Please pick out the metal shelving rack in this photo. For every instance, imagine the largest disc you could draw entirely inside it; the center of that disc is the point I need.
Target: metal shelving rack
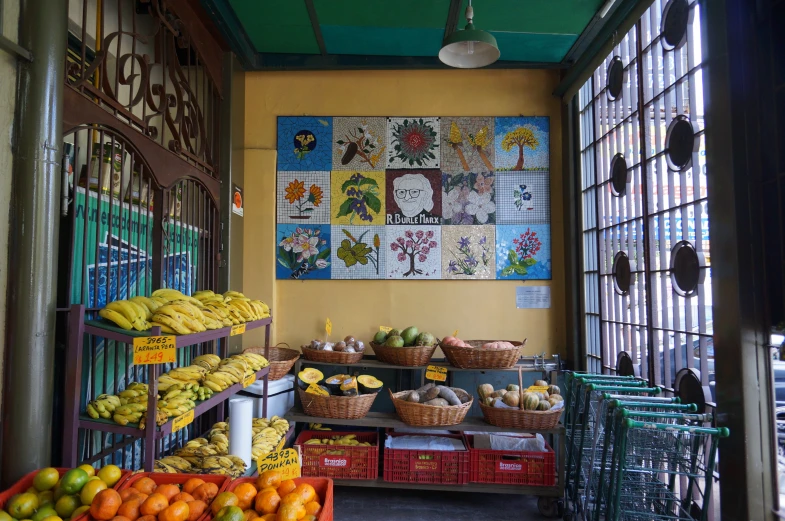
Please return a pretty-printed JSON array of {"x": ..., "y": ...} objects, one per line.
[{"x": 75, "y": 418}]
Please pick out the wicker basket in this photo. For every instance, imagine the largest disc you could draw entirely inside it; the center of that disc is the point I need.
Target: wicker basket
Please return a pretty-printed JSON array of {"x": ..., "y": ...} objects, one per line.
[
  {"x": 281, "y": 360},
  {"x": 421, "y": 415},
  {"x": 476, "y": 358},
  {"x": 332, "y": 357},
  {"x": 407, "y": 356},
  {"x": 337, "y": 407},
  {"x": 520, "y": 419}
]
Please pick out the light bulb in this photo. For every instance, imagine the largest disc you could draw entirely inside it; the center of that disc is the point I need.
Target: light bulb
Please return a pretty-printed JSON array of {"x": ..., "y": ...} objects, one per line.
[{"x": 470, "y": 49}]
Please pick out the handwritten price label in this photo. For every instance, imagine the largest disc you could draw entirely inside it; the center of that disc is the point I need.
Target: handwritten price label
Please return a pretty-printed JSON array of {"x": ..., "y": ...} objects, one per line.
[
  {"x": 239, "y": 329},
  {"x": 328, "y": 327},
  {"x": 537, "y": 388},
  {"x": 248, "y": 380},
  {"x": 154, "y": 350},
  {"x": 182, "y": 421},
  {"x": 286, "y": 462},
  {"x": 437, "y": 373},
  {"x": 455, "y": 333},
  {"x": 385, "y": 329}
]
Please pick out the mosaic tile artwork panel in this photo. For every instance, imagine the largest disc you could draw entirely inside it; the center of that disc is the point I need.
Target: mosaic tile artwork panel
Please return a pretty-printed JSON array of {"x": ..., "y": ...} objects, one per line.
[
  {"x": 303, "y": 252},
  {"x": 413, "y": 143},
  {"x": 524, "y": 197},
  {"x": 358, "y": 252},
  {"x": 359, "y": 143},
  {"x": 358, "y": 198},
  {"x": 414, "y": 252},
  {"x": 414, "y": 197},
  {"x": 522, "y": 143},
  {"x": 303, "y": 197},
  {"x": 305, "y": 143},
  {"x": 468, "y": 198},
  {"x": 523, "y": 252},
  {"x": 467, "y": 144},
  {"x": 468, "y": 252}
]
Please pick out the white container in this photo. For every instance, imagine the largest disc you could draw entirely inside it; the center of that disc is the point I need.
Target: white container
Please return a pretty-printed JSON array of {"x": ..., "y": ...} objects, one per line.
[{"x": 280, "y": 396}]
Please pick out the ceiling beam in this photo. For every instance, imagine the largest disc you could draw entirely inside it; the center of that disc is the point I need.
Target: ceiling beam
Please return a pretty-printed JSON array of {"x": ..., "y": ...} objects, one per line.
[
  {"x": 452, "y": 18},
  {"x": 317, "y": 30},
  {"x": 232, "y": 30}
]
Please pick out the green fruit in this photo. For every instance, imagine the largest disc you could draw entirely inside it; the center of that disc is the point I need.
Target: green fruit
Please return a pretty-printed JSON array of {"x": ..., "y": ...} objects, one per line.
[
  {"x": 46, "y": 479},
  {"x": 409, "y": 336},
  {"x": 394, "y": 332},
  {"x": 79, "y": 511},
  {"x": 45, "y": 498},
  {"x": 23, "y": 505},
  {"x": 4, "y": 516},
  {"x": 58, "y": 490},
  {"x": 44, "y": 512},
  {"x": 66, "y": 505},
  {"x": 425, "y": 339},
  {"x": 380, "y": 337},
  {"x": 73, "y": 481},
  {"x": 394, "y": 341},
  {"x": 230, "y": 513}
]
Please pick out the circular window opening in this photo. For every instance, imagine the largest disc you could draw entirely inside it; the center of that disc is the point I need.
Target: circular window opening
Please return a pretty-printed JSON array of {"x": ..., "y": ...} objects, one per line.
[
  {"x": 686, "y": 271},
  {"x": 615, "y": 80},
  {"x": 675, "y": 19},
  {"x": 622, "y": 273},
  {"x": 680, "y": 143},
  {"x": 619, "y": 175}
]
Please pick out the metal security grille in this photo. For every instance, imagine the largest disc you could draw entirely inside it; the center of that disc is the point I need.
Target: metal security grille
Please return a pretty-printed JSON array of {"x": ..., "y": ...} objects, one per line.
[{"x": 646, "y": 263}]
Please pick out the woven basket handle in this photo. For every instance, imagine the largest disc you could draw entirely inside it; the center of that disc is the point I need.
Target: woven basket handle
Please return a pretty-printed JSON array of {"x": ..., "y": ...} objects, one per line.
[{"x": 279, "y": 344}]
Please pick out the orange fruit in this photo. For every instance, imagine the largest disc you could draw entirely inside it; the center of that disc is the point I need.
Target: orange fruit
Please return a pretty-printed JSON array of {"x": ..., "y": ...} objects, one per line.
[
  {"x": 167, "y": 490},
  {"x": 308, "y": 517},
  {"x": 292, "y": 499},
  {"x": 190, "y": 485},
  {"x": 196, "y": 508},
  {"x": 128, "y": 493},
  {"x": 145, "y": 485},
  {"x": 288, "y": 513},
  {"x": 286, "y": 486},
  {"x": 130, "y": 509},
  {"x": 205, "y": 492},
  {"x": 177, "y": 511},
  {"x": 306, "y": 492},
  {"x": 181, "y": 496},
  {"x": 224, "y": 499},
  {"x": 313, "y": 508},
  {"x": 154, "y": 504},
  {"x": 105, "y": 504},
  {"x": 267, "y": 502},
  {"x": 268, "y": 517},
  {"x": 250, "y": 514},
  {"x": 246, "y": 493},
  {"x": 147, "y": 518},
  {"x": 120, "y": 518},
  {"x": 268, "y": 478}
]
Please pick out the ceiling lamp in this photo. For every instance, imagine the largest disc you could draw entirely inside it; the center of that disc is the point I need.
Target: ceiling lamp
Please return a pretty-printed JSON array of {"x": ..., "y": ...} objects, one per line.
[{"x": 470, "y": 48}]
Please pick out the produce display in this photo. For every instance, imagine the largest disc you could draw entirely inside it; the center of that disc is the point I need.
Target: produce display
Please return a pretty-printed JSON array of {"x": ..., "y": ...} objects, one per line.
[
  {"x": 179, "y": 314},
  {"x": 313, "y": 381},
  {"x": 56, "y": 498},
  {"x": 345, "y": 440},
  {"x": 269, "y": 499},
  {"x": 437, "y": 395},
  {"x": 457, "y": 342},
  {"x": 528, "y": 400},
  {"x": 348, "y": 345},
  {"x": 409, "y": 337}
]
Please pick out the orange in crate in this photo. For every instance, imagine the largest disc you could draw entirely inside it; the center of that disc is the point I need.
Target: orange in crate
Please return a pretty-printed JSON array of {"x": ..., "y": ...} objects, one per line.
[{"x": 295, "y": 507}]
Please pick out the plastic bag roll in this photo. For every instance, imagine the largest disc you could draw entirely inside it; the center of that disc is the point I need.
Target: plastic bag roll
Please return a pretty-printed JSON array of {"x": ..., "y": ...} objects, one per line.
[{"x": 241, "y": 429}]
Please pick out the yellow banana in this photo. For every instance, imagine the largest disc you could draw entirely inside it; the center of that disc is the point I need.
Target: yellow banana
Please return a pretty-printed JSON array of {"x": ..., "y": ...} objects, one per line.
[
  {"x": 116, "y": 317},
  {"x": 172, "y": 323},
  {"x": 164, "y": 328},
  {"x": 91, "y": 412}
]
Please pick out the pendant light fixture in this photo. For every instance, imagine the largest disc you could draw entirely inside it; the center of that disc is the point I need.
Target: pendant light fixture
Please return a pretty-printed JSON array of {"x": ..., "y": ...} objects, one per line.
[{"x": 470, "y": 48}]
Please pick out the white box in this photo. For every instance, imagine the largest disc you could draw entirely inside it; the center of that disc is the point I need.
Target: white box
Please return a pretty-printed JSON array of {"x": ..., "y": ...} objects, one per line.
[{"x": 280, "y": 396}]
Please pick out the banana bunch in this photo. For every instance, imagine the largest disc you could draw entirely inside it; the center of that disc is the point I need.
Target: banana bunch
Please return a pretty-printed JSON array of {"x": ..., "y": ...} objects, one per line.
[
  {"x": 318, "y": 427},
  {"x": 208, "y": 361},
  {"x": 230, "y": 372},
  {"x": 103, "y": 406},
  {"x": 182, "y": 318},
  {"x": 192, "y": 374},
  {"x": 197, "y": 448},
  {"x": 267, "y": 435},
  {"x": 173, "y": 465},
  {"x": 127, "y": 314},
  {"x": 165, "y": 295},
  {"x": 179, "y": 399},
  {"x": 161, "y": 417},
  {"x": 233, "y": 306},
  {"x": 223, "y": 465},
  {"x": 346, "y": 439},
  {"x": 255, "y": 362},
  {"x": 126, "y": 407}
]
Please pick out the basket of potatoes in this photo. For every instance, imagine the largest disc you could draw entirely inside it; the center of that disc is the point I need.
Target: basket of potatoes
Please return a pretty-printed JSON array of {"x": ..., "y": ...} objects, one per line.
[
  {"x": 517, "y": 408},
  {"x": 432, "y": 405}
]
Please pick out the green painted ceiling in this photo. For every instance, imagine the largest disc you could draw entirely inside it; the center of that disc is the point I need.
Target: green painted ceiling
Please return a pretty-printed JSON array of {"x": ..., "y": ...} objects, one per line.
[{"x": 536, "y": 31}]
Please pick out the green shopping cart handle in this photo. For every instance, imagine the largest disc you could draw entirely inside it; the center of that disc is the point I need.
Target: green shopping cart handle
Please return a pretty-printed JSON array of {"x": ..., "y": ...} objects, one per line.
[
  {"x": 674, "y": 415},
  {"x": 721, "y": 432},
  {"x": 651, "y": 399},
  {"x": 690, "y": 407},
  {"x": 627, "y": 389}
]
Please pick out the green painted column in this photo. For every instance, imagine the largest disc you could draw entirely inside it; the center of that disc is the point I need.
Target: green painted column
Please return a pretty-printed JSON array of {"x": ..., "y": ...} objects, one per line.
[{"x": 35, "y": 218}]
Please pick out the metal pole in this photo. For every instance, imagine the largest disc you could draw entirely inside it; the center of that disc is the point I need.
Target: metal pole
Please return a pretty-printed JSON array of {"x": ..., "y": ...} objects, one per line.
[{"x": 27, "y": 418}]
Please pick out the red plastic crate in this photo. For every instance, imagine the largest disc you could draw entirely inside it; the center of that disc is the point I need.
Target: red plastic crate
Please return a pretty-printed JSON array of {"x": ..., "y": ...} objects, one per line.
[
  {"x": 323, "y": 487},
  {"x": 353, "y": 462},
  {"x": 446, "y": 467},
  {"x": 511, "y": 467},
  {"x": 27, "y": 482}
]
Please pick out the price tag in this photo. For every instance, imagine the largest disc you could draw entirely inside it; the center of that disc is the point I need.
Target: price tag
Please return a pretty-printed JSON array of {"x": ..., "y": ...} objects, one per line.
[
  {"x": 154, "y": 349},
  {"x": 184, "y": 420},
  {"x": 385, "y": 329},
  {"x": 239, "y": 329},
  {"x": 328, "y": 327},
  {"x": 437, "y": 373},
  {"x": 455, "y": 333},
  {"x": 248, "y": 380},
  {"x": 286, "y": 462},
  {"x": 537, "y": 388}
]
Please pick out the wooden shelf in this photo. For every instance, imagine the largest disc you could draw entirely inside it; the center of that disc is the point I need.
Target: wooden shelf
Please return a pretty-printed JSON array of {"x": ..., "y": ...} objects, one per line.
[
  {"x": 471, "y": 487},
  {"x": 526, "y": 364},
  {"x": 391, "y": 420}
]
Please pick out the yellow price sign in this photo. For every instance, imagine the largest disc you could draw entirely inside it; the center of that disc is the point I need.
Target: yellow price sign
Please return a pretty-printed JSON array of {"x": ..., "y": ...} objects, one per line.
[
  {"x": 455, "y": 333},
  {"x": 239, "y": 329},
  {"x": 328, "y": 327},
  {"x": 437, "y": 373},
  {"x": 159, "y": 349},
  {"x": 182, "y": 421},
  {"x": 385, "y": 329},
  {"x": 537, "y": 388},
  {"x": 286, "y": 462},
  {"x": 248, "y": 380}
]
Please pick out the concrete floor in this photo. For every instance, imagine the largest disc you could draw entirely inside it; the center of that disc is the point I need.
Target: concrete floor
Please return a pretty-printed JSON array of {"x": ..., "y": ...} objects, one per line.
[{"x": 362, "y": 504}]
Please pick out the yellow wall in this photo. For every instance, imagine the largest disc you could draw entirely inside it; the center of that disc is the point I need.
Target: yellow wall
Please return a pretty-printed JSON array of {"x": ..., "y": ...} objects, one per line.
[{"x": 479, "y": 309}]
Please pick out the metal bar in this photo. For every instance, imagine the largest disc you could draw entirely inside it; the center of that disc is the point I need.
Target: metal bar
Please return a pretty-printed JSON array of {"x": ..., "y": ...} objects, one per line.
[
  {"x": 73, "y": 382},
  {"x": 26, "y": 440},
  {"x": 11, "y": 47},
  {"x": 317, "y": 31}
]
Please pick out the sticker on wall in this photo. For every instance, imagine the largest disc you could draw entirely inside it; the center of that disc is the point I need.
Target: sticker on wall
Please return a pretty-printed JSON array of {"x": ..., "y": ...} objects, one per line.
[
  {"x": 303, "y": 251},
  {"x": 523, "y": 252},
  {"x": 414, "y": 197},
  {"x": 467, "y": 144},
  {"x": 357, "y": 198},
  {"x": 522, "y": 143},
  {"x": 523, "y": 197},
  {"x": 303, "y": 197},
  {"x": 414, "y": 252},
  {"x": 358, "y": 252},
  {"x": 468, "y": 198},
  {"x": 359, "y": 143},
  {"x": 237, "y": 200},
  {"x": 468, "y": 252},
  {"x": 413, "y": 143},
  {"x": 305, "y": 143}
]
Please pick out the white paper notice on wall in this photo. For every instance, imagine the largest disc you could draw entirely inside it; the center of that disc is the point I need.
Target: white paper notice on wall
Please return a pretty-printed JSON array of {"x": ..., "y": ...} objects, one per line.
[{"x": 533, "y": 297}]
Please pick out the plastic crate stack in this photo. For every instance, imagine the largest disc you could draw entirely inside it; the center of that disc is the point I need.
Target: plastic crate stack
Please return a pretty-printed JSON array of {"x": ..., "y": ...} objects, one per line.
[{"x": 633, "y": 455}]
